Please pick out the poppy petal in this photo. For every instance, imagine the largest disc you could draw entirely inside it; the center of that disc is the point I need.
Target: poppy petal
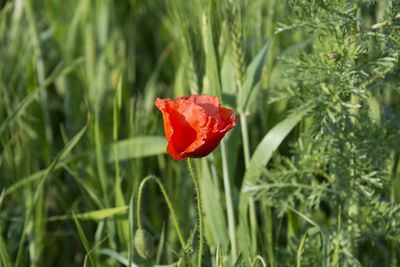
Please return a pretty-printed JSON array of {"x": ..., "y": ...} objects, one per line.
[{"x": 194, "y": 125}]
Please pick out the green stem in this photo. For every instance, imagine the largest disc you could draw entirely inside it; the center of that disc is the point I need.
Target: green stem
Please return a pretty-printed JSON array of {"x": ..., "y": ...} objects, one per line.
[
  {"x": 199, "y": 210},
  {"x": 245, "y": 139},
  {"x": 393, "y": 197},
  {"x": 253, "y": 223},
  {"x": 167, "y": 200},
  {"x": 260, "y": 259},
  {"x": 269, "y": 236}
]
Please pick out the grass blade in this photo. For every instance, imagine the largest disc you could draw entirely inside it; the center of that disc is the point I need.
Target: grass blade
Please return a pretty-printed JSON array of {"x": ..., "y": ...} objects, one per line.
[
  {"x": 92, "y": 215},
  {"x": 133, "y": 148},
  {"x": 136, "y": 147},
  {"x": 19, "y": 109},
  {"x": 85, "y": 241},
  {"x": 269, "y": 144},
  {"x": 61, "y": 155},
  {"x": 253, "y": 76},
  {"x": 4, "y": 256}
]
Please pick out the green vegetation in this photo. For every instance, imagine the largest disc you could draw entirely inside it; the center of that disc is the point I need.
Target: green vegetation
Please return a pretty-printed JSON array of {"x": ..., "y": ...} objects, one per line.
[{"x": 309, "y": 177}]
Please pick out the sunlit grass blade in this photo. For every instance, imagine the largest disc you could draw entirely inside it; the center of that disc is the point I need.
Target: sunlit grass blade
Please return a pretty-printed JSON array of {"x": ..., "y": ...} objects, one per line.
[
  {"x": 212, "y": 68},
  {"x": 269, "y": 144},
  {"x": 136, "y": 147},
  {"x": 253, "y": 76},
  {"x": 92, "y": 215}
]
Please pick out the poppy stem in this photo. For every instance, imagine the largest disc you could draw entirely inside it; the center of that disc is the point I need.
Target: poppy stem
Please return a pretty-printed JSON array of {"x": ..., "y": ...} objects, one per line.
[
  {"x": 199, "y": 211},
  {"x": 167, "y": 200}
]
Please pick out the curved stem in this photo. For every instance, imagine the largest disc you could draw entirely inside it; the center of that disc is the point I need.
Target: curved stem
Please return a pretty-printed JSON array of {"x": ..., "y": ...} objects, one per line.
[
  {"x": 258, "y": 258},
  {"x": 199, "y": 210},
  {"x": 167, "y": 200}
]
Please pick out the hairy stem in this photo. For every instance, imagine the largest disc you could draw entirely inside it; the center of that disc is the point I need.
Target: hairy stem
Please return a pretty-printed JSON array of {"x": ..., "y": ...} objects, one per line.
[
  {"x": 167, "y": 200},
  {"x": 199, "y": 211}
]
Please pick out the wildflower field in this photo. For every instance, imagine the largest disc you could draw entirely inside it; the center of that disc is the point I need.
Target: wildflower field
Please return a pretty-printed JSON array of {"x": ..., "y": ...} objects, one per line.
[{"x": 199, "y": 133}]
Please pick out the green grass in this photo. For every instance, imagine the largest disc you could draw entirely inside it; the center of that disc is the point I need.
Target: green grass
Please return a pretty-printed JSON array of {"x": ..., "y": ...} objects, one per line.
[{"x": 309, "y": 177}]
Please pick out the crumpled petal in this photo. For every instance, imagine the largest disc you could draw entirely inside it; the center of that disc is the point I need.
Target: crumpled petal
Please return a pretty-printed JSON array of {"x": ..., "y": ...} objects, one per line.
[{"x": 194, "y": 125}]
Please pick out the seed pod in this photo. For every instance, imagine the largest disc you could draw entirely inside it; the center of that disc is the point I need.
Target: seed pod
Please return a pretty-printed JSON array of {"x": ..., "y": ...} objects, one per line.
[{"x": 143, "y": 243}]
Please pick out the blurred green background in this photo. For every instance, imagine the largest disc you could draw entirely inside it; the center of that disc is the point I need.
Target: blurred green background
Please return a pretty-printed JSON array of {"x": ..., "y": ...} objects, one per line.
[{"x": 315, "y": 84}]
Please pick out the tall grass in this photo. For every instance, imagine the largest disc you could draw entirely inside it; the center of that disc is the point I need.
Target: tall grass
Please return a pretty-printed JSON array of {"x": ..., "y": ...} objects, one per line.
[{"x": 309, "y": 177}]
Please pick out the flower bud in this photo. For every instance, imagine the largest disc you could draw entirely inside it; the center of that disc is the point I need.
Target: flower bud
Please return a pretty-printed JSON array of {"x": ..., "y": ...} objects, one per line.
[{"x": 143, "y": 243}]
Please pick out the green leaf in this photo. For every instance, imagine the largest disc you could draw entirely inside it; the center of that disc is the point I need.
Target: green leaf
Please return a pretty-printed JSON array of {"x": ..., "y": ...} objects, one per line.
[
  {"x": 92, "y": 215},
  {"x": 228, "y": 77},
  {"x": 269, "y": 144},
  {"x": 253, "y": 77},
  {"x": 212, "y": 68},
  {"x": 136, "y": 147}
]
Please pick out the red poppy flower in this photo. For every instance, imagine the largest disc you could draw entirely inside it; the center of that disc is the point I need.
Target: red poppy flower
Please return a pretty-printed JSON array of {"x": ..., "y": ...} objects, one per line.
[{"x": 194, "y": 125}]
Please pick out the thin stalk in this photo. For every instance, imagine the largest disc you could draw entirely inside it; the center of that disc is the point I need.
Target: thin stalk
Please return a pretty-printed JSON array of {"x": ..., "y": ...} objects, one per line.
[
  {"x": 245, "y": 139},
  {"x": 253, "y": 223},
  {"x": 269, "y": 236},
  {"x": 167, "y": 200},
  {"x": 131, "y": 226},
  {"x": 246, "y": 152},
  {"x": 395, "y": 171},
  {"x": 336, "y": 251},
  {"x": 100, "y": 159},
  {"x": 260, "y": 259},
  {"x": 199, "y": 211},
  {"x": 41, "y": 76},
  {"x": 228, "y": 199}
]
